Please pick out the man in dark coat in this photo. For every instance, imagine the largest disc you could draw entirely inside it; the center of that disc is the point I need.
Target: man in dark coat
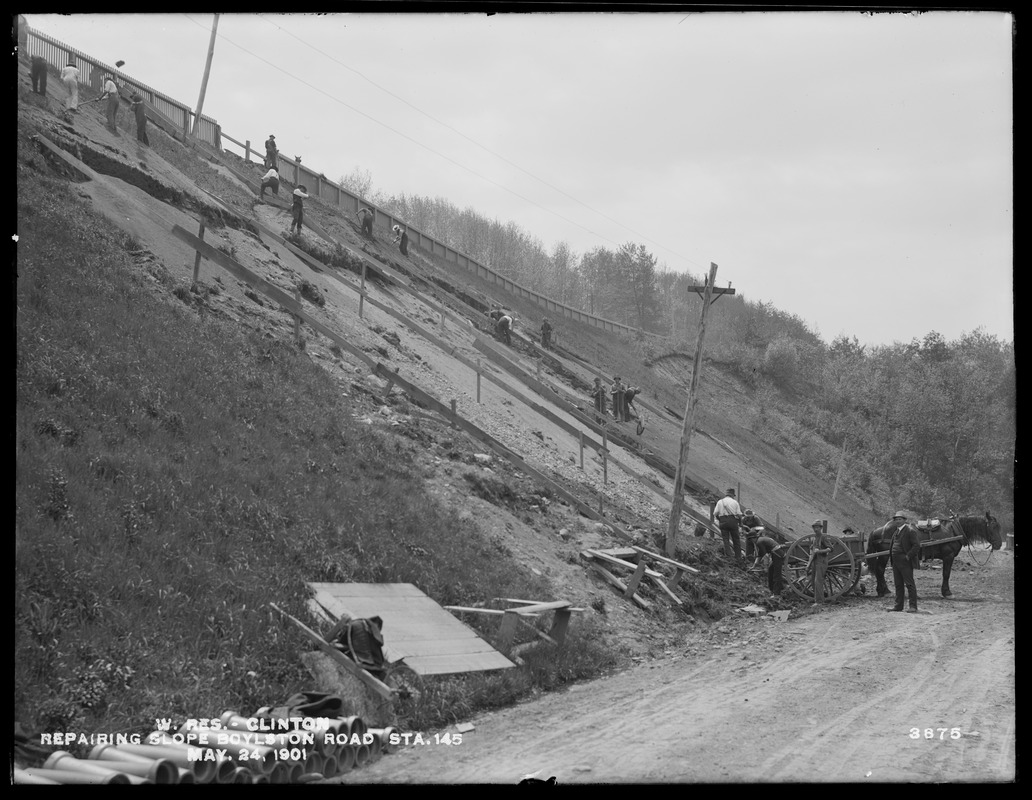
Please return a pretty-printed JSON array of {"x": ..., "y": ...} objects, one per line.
[
  {"x": 271, "y": 152},
  {"x": 546, "y": 334},
  {"x": 903, "y": 552},
  {"x": 365, "y": 216},
  {"x": 38, "y": 73},
  {"x": 767, "y": 545},
  {"x": 140, "y": 110}
]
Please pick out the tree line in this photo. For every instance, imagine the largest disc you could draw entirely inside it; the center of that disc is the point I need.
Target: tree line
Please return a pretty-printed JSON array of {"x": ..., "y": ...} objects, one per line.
[{"x": 927, "y": 425}]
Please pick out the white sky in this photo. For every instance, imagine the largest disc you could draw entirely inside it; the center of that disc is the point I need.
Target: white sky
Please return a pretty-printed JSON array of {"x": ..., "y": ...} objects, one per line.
[{"x": 853, "y": 169}]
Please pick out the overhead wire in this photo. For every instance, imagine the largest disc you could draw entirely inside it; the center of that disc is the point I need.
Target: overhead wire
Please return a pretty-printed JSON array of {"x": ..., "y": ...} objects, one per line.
[
  {"x": 470, "y": 139},
  {"x": 223, "y": 37}
]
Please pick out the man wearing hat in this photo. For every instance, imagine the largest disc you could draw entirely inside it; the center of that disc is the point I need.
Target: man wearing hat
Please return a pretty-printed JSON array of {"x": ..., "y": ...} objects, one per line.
[
  {"x": 297, "y": 209},
  {"x": 598, "y": 394},
  {"x": 728, "y": 512},
  {"x": 817, "y": 566},
  {"x": 112, "y": 97},
  {"x": 750, "y": 522},
  {"x": 271, "y": 152},
  {"x": 903, "y": 551}
]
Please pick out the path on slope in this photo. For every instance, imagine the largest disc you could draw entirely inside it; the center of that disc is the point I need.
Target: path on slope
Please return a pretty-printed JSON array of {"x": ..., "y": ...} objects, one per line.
[{"x": 832, "y": 696}]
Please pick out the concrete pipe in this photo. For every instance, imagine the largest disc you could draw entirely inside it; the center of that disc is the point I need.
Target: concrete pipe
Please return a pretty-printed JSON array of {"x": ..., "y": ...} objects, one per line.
[
  {"x": 186, "y": 776},
  {"x": 345, "y": 759},
  {"x": 361, "y": 755},
  {"x": 203, "y": 771},
  {"x": 242, "y": 775},
  {"x": 383, "y": 736},
  {"x": 160, "y": 772},
  {"x": 20, "y": 776},
  {"x": 260, "y": 777},
  {"x": 314, "y": 762},
  {"x": 280, "y": 773},
  {"x": 311, "y": 777},
  {"x": 296, "y": 772},
  {"x": 372, "y": 741},
  {"x": 71, "y": 777},
  {"x": 330, "y": 768},
  {"x": 355, "y": 726}
]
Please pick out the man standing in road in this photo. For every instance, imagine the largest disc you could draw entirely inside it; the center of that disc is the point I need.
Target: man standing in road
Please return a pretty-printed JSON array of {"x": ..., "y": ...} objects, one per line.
[
  {"x": 903, "y": 553},
  {"x": 818, "y": 564},
  {"x": 728, "y": 512}
]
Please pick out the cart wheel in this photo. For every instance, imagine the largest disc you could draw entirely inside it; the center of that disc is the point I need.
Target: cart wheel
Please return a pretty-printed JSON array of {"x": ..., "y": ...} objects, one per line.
[
  {"x": 407, "y": 686},
  {"x": 841, "y": 576}
]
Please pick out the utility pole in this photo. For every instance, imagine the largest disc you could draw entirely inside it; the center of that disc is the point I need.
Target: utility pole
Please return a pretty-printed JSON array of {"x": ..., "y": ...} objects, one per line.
[
  {"x": 689, "y": 412},
  {"x": 204, "y": 80}
]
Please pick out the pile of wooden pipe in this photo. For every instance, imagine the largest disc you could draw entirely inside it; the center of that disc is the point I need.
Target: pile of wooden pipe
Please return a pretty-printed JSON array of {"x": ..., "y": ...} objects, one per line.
[{"x": 164, "y": 758}]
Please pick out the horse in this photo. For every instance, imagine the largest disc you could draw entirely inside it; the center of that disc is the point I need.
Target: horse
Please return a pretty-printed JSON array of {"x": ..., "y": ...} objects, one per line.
[{"x": 972, "y": 528}]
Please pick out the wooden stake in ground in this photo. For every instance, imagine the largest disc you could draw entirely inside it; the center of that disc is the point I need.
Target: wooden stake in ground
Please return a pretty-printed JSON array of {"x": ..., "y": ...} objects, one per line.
[
  {"x": 204, "y": 79},
  {"x": 689, "y": 412}
]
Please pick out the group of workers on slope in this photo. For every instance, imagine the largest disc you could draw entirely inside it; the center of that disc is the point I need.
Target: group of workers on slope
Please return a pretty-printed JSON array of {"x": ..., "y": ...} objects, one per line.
[
  {"x": 271, "y": 181},
  {"x": 903, "y": 550},
  {"x": 622, "y": 397},
  {"x": 110, "y": 94}
]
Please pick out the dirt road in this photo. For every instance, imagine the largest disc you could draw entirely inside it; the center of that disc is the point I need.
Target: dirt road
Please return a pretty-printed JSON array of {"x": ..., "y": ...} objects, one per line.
[{"x": 849, "y": 693}]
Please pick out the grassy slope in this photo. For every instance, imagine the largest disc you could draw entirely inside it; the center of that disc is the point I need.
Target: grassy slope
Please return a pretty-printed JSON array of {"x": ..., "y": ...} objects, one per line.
[{"x": 174, "y": 474}]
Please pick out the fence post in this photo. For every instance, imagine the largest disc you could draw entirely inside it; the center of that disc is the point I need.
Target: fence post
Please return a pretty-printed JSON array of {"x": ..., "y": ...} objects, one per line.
[
  {"x": 247, "y": 151},
  {"x": 454, "y": 414},
  {"x": 605, "y": 461},
  {"x": 582, "y": 450},
  {"x": 297, "y": 170},
  {"x": 361, "y": 292},
  {"x": 197, "y": 258},
  {"x": 297, "y": 319},
  {"x": 478, "y": 380}
]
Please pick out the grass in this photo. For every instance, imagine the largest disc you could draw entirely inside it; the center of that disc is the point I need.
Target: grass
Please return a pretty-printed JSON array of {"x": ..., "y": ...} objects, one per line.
[{"x": 175, "y": 474}]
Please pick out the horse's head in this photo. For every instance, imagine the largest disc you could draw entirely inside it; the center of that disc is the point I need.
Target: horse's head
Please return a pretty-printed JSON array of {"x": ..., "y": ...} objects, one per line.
[{"x": 992, "y": 527}]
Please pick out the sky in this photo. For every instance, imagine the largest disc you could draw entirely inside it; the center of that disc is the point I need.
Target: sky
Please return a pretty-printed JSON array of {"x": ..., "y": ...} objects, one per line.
[{"x": 853, "y": 169}]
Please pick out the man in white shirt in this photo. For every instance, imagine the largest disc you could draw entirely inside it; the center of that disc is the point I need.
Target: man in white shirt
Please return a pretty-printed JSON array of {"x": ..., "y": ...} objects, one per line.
[
  {"x": 728, "y": 512},
  {"x": 111, "y": 95},
  {"x": 270, "y": 180},
  {"x": 70, "y": 78}
]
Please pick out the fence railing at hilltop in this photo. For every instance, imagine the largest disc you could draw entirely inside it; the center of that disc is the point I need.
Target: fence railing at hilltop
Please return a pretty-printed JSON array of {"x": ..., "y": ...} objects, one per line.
[
  {"x": 333, "y": 193},
  {"x": 92, "y": 71}
]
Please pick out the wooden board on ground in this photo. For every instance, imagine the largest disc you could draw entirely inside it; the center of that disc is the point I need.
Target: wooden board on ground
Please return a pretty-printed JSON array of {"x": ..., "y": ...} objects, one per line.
[{"x": 432, "y": 641}]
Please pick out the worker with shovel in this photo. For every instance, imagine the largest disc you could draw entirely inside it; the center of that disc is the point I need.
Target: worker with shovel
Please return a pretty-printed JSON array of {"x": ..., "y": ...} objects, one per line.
[{"x": 112, "y": 97}]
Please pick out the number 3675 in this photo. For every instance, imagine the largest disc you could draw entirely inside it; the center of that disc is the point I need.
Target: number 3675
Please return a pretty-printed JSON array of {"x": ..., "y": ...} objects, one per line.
[{"x": 934, "y": 733}]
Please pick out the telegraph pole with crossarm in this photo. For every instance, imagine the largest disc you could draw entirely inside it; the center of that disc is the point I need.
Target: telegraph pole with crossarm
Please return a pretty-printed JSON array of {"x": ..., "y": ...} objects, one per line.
[{"x": 710, "y": 294}]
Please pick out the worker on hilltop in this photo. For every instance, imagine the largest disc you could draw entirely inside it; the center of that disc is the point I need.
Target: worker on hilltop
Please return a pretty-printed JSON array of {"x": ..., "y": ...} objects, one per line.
[
  {"x": 70, "y": 78},
  {"x": 111, "y": 95},
  {"x": 38, "y": 73},
  {"x": 546, "y": 334},
  {"x": 598, "y": 394},
  {"x": 630, "y": 411},
  {"x": 140, "y": 110},
  {"x": 270, "y": 180},
  {"x": 271, "y": 153},
  {"x": 728, "y": 513},
  {"x": 401, "y": 239},
  {"x": 365, "y": 218},
  {"x": 298, "y": 207},
  {"x": 617, "y": 393},
  {"x": 504, "y": 329},
  {"x": 817, "y": 566}
]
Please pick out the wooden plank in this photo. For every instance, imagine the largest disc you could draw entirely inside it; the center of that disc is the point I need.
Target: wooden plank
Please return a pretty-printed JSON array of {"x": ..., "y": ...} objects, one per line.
[
  {"x": 449, "y": 665},
  {"x": 494, "y": 611},
  {"x": 632, "y": 584},
  {"x": 610, "y": 578},
  {"x": 667, "y": 590},
  {"x": 438, "y": 647},
  {"x": 371, "y": 681},
  {"x": 619, "y": 562},
  {"x": 664, "y": 559},
  {"x": 376, "y": 590},
  {"x": 539, "y": 607}
]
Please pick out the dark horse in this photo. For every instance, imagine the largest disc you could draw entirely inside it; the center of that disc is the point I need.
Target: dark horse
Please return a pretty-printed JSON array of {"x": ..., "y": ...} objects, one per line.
[{"x": 974, "y": 529}]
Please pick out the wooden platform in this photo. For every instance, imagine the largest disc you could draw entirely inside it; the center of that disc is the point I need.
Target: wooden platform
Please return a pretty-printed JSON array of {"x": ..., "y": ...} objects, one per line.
[{"x": 431, "y": 640}]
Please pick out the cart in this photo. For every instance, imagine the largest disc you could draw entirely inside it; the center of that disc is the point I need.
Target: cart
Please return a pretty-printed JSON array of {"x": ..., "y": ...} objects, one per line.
[{"x": 843, "y": 571}]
